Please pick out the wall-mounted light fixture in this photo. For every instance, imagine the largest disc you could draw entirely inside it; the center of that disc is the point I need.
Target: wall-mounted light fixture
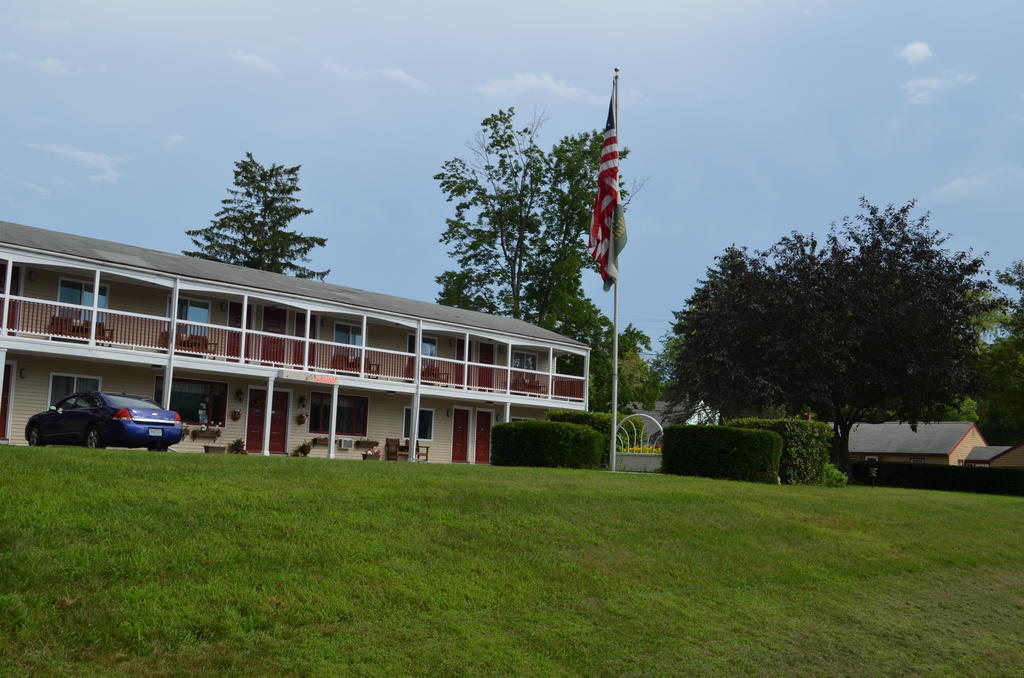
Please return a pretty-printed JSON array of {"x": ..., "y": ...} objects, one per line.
[
  {"x": 391, "y": 393},
  {"x": 323, "y": 322},
  {"x": 31, "y": 275},
  {"x": 302, "y": 401},
  {"x": 451, "y": 342},
  {"x": 223, "y": 306},
  {"x": 239, "y": 395},
  {"x": 23, "y": 373},
  {"x": 448, "y": 413}
]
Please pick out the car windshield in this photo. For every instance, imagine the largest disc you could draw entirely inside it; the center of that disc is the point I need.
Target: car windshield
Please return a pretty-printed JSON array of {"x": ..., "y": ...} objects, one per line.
[{"x": 128, "y": 401}]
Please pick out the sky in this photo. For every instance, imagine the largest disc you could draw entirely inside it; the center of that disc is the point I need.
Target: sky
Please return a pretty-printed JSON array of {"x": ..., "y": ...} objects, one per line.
[{"x": 746, "y": 120}]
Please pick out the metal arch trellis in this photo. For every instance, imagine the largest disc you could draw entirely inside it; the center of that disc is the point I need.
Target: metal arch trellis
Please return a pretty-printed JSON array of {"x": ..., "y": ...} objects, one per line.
[{"x": 638, "y": 431}]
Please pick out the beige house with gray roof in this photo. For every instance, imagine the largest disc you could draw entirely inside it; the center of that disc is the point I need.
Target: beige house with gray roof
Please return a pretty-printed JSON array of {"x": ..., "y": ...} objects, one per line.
[{"x": 944, "y": 442}]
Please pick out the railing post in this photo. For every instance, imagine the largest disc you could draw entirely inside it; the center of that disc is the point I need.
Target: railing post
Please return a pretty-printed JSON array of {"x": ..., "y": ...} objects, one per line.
[
  {"x": 244, "y": 328},
  {"x": 508, "y": 370},
  {"x": 305, "y": 348},
  {"x": 551, "y": 371},
  {"x": 7, "y": 297},
  {"x": 414, "y": 423},
  {"x": 362, "y": 350},
  {"x": 95, "y": 306},
  {"x": 465, "y": 362}
]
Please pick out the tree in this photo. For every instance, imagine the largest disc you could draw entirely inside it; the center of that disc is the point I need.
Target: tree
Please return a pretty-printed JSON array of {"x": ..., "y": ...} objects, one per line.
[
  {"x": 517, "y": 237},
  {"x": 1001, "y": 401},
  {"x": 251, "y": 229},
  {"x": 876, "y": 322}
]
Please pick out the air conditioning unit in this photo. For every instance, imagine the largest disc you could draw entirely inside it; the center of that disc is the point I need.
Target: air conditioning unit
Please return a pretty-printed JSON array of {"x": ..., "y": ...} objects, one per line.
[{"x": 346, "y": 444}]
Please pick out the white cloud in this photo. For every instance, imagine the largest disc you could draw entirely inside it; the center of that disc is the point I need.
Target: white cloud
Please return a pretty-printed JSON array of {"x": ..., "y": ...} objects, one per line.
[
  {"x": 252, "y": 61},
  {"x": 915, "y": 52},
  {"x": 104, "y": 165},
  {"x": 172, "y": 140},
  {"x": 393, "y": 75},
  {"x": 24, "y": 183},
  {"x": 981, "y": 182},
  {"x": 926, "y": 90},
  {"x": 520, "y": 83},
  {"x": 51, "y": 65},
  {"x": 11, "y": 57}
]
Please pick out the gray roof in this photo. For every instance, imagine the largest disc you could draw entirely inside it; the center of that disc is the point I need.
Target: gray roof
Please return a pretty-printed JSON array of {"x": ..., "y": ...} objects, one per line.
[
  {"x": 895, "y": 438},
  {"x": 987, "y": 453},
  {"x": 105, "y": 251}
]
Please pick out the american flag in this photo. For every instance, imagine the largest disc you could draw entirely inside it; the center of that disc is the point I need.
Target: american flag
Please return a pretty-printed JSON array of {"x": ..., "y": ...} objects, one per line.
[{"x": 608, "y": 230}]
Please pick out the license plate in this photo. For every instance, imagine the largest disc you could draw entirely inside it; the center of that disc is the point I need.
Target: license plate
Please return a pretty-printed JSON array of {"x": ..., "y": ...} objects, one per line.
[{"x": 158, "y": 432}]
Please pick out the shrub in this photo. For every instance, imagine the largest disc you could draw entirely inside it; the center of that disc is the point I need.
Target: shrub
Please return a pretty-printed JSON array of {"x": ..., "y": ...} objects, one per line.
[
  {"x": 302, "y": 450},
  {"x": 833, "y": 477},
  {"x": 237, "y": 446},
  {"x": 599, "y": 421},
  {"x": 545, "y": 443},
  {"x": 722, "y": 452},
  {"x": 806, "y": 447},
  {"x": 941, "y": 477}
]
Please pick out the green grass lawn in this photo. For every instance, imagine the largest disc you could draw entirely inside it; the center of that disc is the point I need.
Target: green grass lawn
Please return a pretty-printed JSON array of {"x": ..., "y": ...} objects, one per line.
[{"x": 146, "y": 563}]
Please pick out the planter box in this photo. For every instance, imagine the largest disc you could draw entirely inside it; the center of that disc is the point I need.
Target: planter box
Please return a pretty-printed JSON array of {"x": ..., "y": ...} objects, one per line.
[
  {"x": 215, "y": 449},
  {"x": 638, "y": 463},
  {"x": 319, "y": 442},
  {"x": 210, "y": 435},
  {"x": 366, "y": 444},
  {"x": 371, "y": 457}
]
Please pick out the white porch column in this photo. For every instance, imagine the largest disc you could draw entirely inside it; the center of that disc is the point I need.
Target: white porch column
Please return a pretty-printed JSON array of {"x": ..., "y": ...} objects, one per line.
[
  {"x": 7, "y": 296},
  {"x": 586, "y": 380},
  {"x": 172, "y": 340},
  {"x": 551, "y": 371},
  {"x": 508, "y": 412},
  {"x": 334, "y": 421},
  {"x": 414, "y": 419},
  {"x": 3, "y": 364},
  {"x": 305, "y": 344},
  {"x": 268, "y": 408},
  {"x": 245, "y": 324},
  {"x": 362, "y": 351},
  {"x": 465, "y": 362},
  {"x": 95, "y": 306},
  {"x": 508, "y": 369}
]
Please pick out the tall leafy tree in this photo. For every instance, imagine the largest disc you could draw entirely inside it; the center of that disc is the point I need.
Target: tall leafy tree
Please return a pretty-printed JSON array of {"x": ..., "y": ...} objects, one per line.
[
  {"x": 251, "y": 228},
  {"x": 874, "y": 322},
  {"x": 517, "y": 239},
  {"x": 1001, "y": 401}
]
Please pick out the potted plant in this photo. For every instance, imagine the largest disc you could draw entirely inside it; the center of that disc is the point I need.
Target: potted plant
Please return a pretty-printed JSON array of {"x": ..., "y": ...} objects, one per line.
[
  {"x": 372, "y": 455},
  {"x": 237, "y": 446},
  {"x": 300, "y": 418},
  {"x": 236, "y": 414},
  {"x": 204, "y": 431},
  {"x": 302, "y": 450}
]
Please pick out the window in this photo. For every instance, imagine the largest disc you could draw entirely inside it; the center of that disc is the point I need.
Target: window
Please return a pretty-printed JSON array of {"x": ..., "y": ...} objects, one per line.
[
  {"x": 520, "y": 419},
  {"x": 429, "y": 345},
  {"x": 917, "y": 460},
  {"x": 63, "y": 385},
  {"x": 870, "y": 458},
  {"x": 521, "y": 360},
  {"x": 352, "y": 412},
  {"x": 193, "y": 310},
  {"x": 426, "y": 424},
  {"x": 198, "y": 402},
  {"x": 80, "y": 293},
  {"x": 348, "y": 334}
]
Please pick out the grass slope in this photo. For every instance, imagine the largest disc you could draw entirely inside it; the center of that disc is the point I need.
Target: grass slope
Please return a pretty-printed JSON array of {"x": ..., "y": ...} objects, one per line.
[{"x": 138, "y": 563}]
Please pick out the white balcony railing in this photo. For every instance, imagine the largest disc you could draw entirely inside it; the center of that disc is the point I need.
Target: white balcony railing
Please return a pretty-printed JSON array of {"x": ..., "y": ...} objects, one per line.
[{"x": 136, "y": 331}]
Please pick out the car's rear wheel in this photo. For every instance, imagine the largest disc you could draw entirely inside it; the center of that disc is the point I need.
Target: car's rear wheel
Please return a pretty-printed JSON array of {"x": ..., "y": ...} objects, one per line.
[
  {"x": 34, "y": 438},
  {"x": 93, "y": 440}
]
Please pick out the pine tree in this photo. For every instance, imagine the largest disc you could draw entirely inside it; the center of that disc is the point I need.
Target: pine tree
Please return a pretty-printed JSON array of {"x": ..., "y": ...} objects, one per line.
[{"x": 251, "y": 229}]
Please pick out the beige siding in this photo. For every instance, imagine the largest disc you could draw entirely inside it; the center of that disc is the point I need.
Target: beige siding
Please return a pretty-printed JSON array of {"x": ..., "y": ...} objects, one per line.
[
  {"x": 970, "y": 441},
  {"x": 1012, "y": 458}
]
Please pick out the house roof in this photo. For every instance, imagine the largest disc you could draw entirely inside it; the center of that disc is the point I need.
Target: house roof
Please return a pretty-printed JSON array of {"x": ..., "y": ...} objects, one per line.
[
  {"x": 987, "y": 453},
  {"x": 105, "y": 251},
  {"x": 896, "y": 438}
]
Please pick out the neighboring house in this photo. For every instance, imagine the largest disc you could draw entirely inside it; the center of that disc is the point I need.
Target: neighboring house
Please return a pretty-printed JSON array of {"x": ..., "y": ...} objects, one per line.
[
  {"x": 667, "y": 414},
  {"x": 1006, "y": 456},
  {"x": 84, "y": 314},
  {"x": 944, "y": 442}
]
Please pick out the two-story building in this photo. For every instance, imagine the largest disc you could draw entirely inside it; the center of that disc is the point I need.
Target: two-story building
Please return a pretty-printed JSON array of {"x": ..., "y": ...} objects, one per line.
[{"x": 269, "y": 359}]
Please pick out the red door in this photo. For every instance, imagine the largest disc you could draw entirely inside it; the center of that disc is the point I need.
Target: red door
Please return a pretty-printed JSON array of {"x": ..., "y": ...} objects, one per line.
[
  {"x": 234, "y": 347},
  {"x": 483, "y": 437},
  {"x": 487, "y": 358},
  {"x": 460, "y": 435},
  {"x": 278, "y": 421},
  {"x": 5, "y": 402},
  {"x": 275, "y": 320}
]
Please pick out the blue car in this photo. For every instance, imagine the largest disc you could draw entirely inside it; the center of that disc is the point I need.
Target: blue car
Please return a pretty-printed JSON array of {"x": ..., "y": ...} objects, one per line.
[{"x": 97, "y": 419}]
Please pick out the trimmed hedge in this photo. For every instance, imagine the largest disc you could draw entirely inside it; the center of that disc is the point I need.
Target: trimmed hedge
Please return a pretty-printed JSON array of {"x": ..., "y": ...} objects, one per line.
[
  {"x": 722, "y": 452},
  {"x": 599, "y": 421},
  {"x": 806, "y": 447},
  {"x": 545, "y": 443},
  {"x": 940, "y": 477}
]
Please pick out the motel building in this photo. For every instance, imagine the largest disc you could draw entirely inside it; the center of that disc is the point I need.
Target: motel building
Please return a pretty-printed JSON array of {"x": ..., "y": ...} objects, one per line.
[{"x": 340, "y": 368}]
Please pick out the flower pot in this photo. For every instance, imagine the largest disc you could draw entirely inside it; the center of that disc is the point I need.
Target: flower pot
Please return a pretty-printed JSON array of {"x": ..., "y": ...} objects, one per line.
[{"x": 371, "y": 456}]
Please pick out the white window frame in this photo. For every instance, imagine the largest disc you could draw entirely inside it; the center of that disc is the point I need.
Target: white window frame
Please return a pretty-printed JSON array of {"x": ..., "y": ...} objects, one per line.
[
  {"x": 191, "y": 300},
  {"x": 536, "y": 361},
  {"x": 407, "y": 417},
  {"x": 84, "y": 283},
  {"x": 870, "y": 458},
  {"x": 358, "y": 330},
  {"x": 426, "y": 339},
  {"x": 512, "y": 419},
  {"x": 49, "y": 383}
]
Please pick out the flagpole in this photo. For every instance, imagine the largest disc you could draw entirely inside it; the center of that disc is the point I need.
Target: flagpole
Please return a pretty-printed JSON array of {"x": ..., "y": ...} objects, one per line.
[{"x": 615, "y": 298}]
